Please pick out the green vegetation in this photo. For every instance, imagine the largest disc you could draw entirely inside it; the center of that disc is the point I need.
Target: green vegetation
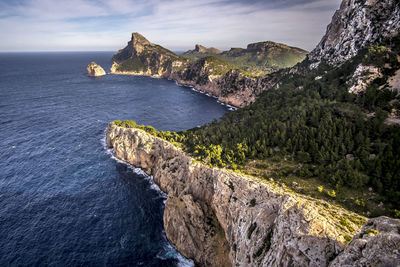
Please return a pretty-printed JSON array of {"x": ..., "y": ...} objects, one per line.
[
  {"x": 217, "y": 66},
  {"x": 132, "y": 64},
  {"x": 257, "y": 62},
  {"x": 171, "y": 137},
  {"x": 318, "y": 125},
  {"x": 371, "y": 232}
]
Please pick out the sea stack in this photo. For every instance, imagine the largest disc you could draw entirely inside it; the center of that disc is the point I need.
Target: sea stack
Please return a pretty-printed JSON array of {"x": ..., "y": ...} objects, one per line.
[{"x": 95, "y": 70}]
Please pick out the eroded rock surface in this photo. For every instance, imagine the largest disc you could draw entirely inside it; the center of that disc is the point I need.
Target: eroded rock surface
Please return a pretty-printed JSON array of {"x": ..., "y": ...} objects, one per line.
[
  {"x": 362, "y": 78},
  {"x": 356, "y": 25},
  {"x": 378, "y": 244}
]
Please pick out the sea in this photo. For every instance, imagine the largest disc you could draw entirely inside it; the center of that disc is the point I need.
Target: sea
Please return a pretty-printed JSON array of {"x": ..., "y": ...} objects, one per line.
[{"x": 65, "y": 200}]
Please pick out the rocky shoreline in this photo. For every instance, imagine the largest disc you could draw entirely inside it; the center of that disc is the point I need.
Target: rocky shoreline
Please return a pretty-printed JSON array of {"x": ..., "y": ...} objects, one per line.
[
  {"x": 220, "y": 218},
  {"x": 212, "y": 88}
]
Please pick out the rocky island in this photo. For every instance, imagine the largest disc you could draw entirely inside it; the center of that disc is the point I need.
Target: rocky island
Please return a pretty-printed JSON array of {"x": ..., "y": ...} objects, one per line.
[{"x": 95, "y": 70}]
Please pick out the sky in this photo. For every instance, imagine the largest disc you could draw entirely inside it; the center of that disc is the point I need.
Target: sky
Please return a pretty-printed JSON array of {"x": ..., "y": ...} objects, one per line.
[{"x": 106, "y": 25}]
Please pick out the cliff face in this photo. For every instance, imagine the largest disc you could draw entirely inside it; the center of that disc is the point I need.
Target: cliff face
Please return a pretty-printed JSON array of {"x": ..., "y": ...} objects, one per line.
[
  {"x": 95, "y": 70},
  {"x": 356, "y": 25},
  {"x": 219, "y": 218},
  {"x": 141, "y": 57}
]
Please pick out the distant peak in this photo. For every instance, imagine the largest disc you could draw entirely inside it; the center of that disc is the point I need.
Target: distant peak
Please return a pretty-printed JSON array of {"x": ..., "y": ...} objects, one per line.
[
  {"x": 263, "y": 45},
  {"x": 202, "y": 49},
  {"x": 138, "y": 38}
]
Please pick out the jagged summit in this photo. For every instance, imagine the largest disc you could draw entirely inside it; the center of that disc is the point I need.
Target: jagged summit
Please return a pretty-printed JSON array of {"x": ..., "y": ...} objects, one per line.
[
  {"x": 199, "y": 49},
  {"x": 139, "y": 46},
  {"x": 136, "y": 46},
  {"x": 356, "y": 25},
  {"x": 138, "y": 42}
]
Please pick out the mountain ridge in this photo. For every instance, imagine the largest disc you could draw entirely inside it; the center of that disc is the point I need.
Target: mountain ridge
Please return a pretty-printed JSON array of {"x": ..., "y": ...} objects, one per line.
[{"x": 209, "y": 73}]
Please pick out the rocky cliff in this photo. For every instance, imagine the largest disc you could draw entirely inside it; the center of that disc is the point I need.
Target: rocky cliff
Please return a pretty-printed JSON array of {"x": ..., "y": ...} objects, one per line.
[
  {"x": 95, "y": 70},
  {"x": 141, "y": 57},
  {"x": 356, "y": 25},
  {"x": 220, "y": 218}
]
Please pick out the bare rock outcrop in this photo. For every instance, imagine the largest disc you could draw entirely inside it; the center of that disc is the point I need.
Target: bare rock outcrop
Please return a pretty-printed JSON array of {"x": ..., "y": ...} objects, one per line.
[
  {"x": 141, "y": 57},
  {"x": 95, "y": 70},
  {"x": 220, "y": 218},
  {"x": 378, "y": 244},
  {"x": 356, "y": 25},
  {"x": 362, "y": 77}
]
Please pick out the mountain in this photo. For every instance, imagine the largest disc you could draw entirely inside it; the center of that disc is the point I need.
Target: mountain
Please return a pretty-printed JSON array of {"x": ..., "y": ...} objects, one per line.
[
  {"x": 142, "y": 57},
  {"x": 258, "y": 58},
  {"x": 355, "y": 26},
  {"x": 199, "y": 51},
  {"x": 264, "y": 56}
]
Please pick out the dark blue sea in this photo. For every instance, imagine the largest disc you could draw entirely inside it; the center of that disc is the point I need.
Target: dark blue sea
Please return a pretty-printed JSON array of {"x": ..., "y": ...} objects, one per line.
[{"x": 64, "y": 199}]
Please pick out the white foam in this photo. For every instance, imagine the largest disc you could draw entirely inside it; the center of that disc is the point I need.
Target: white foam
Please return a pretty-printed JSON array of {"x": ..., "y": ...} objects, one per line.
[
  {"x": 138, "y": 171},
  {"x": 170, "y": 249},
  {"x": 182, "y": 261}
]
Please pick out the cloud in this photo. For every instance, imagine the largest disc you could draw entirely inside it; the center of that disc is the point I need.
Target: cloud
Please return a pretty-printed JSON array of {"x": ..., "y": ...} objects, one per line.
[{"x": 29, "y": 25}]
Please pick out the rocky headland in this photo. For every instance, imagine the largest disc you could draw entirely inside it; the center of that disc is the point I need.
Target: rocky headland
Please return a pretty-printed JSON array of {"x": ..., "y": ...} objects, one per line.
[
  {"x": 221, "y": 74},
  {"x": 221, "y": 218},
  {"x": 95, "y": 70}
]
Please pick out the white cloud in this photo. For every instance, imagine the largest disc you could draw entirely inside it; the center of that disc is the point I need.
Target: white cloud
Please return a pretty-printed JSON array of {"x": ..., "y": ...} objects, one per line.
[{"x": 106, "y": 25}]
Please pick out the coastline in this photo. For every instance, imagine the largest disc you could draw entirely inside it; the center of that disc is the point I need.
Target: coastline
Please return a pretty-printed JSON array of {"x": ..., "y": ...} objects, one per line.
[
  {"x": 179, "y": 82},
  {"x": 250, "y": 221}
]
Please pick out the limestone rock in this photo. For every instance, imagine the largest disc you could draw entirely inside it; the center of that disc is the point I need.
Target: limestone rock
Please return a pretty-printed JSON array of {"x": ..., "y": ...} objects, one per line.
[
  {"x": 378, "y": 244},
  {"x": 362, "y": 77},
  {"x": 356, "y": 25},
  {"x": 141, "y": 57},
  {"x": 95, "y": 70},
  {"x": 220, "y": 218}
]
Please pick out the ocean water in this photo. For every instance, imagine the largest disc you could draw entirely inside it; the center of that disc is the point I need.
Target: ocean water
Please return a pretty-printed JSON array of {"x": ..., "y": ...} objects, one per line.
[{"x": 64, "y": 199}]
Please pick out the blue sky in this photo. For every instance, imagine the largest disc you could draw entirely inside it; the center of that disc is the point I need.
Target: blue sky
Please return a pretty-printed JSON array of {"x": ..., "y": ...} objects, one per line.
[{"x": 95, "y": 25}]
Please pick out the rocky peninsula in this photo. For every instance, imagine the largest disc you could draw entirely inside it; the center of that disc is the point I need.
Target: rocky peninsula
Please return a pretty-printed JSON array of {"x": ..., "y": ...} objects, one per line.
[{"x": 221, "y": 218}]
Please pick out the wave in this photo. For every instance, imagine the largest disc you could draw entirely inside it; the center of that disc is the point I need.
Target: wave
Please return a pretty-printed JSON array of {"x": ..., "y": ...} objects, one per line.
[
  {"x": 170, "y": 251},
  {"x": 139, "y": 171}
]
